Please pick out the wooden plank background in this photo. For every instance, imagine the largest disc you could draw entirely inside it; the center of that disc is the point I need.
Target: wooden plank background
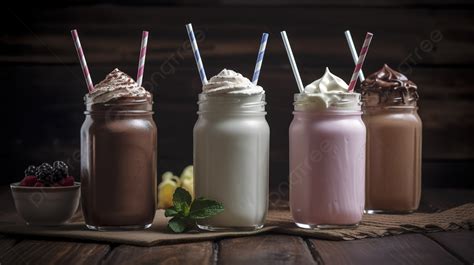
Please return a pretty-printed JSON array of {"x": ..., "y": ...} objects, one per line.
[{"x": 42, "y": 104}]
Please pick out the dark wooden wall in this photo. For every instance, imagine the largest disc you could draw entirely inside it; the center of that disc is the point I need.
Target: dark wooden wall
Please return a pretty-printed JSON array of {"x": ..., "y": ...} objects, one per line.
[{"x": 42, "y": 85}]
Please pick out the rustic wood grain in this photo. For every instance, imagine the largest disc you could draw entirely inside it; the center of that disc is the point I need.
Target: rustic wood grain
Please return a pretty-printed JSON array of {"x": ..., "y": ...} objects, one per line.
[
  {"x": 265, "y": 249},
  {"x": 403, "y": 249},
  {"x": 286, "y": 3},
  {"x": 439, "y": 248},
  {"x": 190, "y": 253},
  {"x": 110, "y": 34},
  {"x": 363, "y": 3},
  {"x": 54, "y": 252},
  {"x": 5, "y": 244},
  {"x": 443, "y": 199},
  {"x": 458, "y": 243}
]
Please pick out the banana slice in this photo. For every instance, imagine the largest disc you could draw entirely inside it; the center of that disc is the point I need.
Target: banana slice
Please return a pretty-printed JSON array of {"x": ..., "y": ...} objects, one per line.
[
  {"x": 188, "y": 173},
  {"x": 187, "y": 179},
  {"x": 165, "y": 193},
  {"x": 188, "y": 184},
  {"x": 169, "y": 183},
  {"x": 170, "y": 176}
]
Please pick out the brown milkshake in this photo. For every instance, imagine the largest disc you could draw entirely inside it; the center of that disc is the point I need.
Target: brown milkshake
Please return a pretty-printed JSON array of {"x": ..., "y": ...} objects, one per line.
[
  {"x": 393, "y": 169},
  {"x": 118, "y": 155}
]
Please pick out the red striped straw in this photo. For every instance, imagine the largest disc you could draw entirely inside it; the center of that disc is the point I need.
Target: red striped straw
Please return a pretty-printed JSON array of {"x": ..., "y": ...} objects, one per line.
[
  {"x": 141, "y": 61},
  {"x": 82, "y": 60},
  {"x": 360, "y": 61}
]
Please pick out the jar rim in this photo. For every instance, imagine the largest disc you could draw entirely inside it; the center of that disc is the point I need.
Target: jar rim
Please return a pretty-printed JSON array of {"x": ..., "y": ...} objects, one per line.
[
  {"x": 394, "y": 107},
  {"x": 232, "y": 104},
  {"x": 318, "y": 102},
  {"x": 126, "y": 106},
  {"x": 231, "y": 98},
  {"x": 328, "y": 112},
  {"x": 121, "y": 112}
]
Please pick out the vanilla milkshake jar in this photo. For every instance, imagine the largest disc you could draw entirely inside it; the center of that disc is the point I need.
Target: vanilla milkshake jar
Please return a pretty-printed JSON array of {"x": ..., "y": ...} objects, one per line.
[
  {"x": 231, "y": 152},
  {"x": 393, "y": 182},
  {"x": 327, "y": 156}
]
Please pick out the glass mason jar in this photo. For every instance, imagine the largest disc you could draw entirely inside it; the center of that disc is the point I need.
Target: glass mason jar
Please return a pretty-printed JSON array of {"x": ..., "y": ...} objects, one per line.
[
  {"x": 327, "y": 166},
  {"x": 231, "y": 159},
  {"x": 118, "y": 165},
  {"x": 393, "y": 177}
]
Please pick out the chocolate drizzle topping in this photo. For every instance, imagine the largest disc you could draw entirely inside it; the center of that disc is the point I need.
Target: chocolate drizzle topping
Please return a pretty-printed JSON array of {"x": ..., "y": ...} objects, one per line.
[
  {"x": 390, "y": 87},
  {"x": 115, "y": 86}
]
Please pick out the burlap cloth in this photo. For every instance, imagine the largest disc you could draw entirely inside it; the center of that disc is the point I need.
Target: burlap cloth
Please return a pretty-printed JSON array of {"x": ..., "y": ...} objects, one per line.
[{"x": 278, "y": 221}]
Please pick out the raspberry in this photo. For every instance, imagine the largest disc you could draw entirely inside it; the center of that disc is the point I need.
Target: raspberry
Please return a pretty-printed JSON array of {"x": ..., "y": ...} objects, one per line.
[
  {"x": 45, "y": 173},
  {"x": 67, "y": 181},
  {"x": 30, "y": 171},
  {"x": 29, "y": 181},
  {"x": 39, "y": 184}
]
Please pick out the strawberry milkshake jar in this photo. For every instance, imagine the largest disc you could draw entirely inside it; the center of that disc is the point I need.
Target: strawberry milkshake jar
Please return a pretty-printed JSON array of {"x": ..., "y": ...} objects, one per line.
[{"x": 327, "y": 156}]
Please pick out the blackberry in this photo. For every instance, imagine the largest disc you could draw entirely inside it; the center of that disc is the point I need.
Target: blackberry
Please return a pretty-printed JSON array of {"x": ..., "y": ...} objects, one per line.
[
  {"x": 60, "y": 171},
  {"x": 30, "y": 171},
  {"x": 61, "y": 166},
  {"x": 58, "y": 174},
  {"x": 45, "y": 173}
]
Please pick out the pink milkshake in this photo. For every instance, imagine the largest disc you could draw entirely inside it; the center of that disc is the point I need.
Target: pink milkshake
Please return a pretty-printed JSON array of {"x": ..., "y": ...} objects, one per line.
[{"x": 327, "y": 156}]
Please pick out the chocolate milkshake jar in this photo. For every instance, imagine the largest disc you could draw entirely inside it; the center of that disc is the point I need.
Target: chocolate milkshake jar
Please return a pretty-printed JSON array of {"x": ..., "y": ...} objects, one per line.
[
  {"x": 327, "y": 156},
  {"x": 118, "y": 156},
  {"x": 393, "y": 177},
  {"x": 231, "y": 155}
]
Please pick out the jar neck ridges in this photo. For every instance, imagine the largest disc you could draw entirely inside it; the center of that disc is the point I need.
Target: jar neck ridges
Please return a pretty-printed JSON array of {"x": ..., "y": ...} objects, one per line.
[
  {"x": 125, "y": 106},
  {"x": 235, "y": 104}
]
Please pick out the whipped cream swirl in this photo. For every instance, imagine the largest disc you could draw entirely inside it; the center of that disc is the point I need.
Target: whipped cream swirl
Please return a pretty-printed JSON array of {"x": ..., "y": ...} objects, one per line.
[
  {"x": 116, "y": 85},
  {"x": 231, "y": 82},
  {"x": 329, "y": 91}
]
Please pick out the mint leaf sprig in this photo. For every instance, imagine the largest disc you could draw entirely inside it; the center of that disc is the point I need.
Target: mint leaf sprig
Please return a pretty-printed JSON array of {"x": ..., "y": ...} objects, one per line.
[{"x": 185, "y": 211}]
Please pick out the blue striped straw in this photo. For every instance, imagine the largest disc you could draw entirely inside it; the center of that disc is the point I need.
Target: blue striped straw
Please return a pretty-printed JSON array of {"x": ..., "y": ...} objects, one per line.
[
  {"x": 261, "y": 52},
  {"x": 197, "y": 56}
]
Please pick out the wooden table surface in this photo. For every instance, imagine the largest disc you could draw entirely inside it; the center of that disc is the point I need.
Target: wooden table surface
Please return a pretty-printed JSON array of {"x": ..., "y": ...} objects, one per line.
[{"x": 435, "y": 248}]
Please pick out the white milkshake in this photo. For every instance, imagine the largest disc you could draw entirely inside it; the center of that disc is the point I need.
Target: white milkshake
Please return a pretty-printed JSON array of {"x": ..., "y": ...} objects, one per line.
[{"x": 231, "y": 151}]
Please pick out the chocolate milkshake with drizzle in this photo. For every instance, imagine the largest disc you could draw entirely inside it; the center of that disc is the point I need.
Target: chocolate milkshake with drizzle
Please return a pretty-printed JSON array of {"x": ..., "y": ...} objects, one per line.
[
  {"x": 118, "y": 155},
  {"x": 393, "y": 170}
]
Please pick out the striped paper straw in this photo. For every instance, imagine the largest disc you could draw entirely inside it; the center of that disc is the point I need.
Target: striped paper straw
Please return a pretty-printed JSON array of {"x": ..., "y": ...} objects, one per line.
[
  {"x": 360, "y": 61},
  {"x": 197, "y": 56},
  {"x": 141, "y": 60},
  {"x": 82, "y": 60},
  {"x": 352, "y": 48},
  {"x": 294, "y": 67},
  {"x": 261, "y": 52}
]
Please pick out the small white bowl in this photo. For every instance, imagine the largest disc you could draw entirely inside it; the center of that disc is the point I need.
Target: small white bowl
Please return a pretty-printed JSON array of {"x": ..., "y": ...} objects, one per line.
[{"x": 46, "y": 206}]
